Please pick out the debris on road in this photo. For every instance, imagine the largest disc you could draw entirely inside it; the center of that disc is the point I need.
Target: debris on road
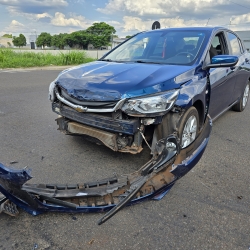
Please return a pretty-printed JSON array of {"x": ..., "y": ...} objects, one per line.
[{"x": 151, "y": 181}]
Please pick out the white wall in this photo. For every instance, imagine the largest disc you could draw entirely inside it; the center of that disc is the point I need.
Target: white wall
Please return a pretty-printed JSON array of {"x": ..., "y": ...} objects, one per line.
[
  {"x": 4, "y": 41},
  {"x": 245, "y": 37}
]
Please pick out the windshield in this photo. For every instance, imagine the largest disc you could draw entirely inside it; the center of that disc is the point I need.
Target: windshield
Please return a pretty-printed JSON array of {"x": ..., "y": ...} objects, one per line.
[{"x": 162, "y": 46}]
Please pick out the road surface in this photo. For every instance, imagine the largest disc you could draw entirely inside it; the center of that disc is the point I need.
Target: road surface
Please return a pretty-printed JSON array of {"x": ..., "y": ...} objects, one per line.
[{"x": 209, "y": 208}]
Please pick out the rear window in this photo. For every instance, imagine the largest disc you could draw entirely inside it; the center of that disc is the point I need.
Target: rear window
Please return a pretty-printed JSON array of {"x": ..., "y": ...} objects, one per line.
[{"x": 234, "y": 42}]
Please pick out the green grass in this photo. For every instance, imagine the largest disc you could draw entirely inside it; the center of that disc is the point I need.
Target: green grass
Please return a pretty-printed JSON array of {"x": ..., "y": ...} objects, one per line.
[{"x": 14, "y": 59}]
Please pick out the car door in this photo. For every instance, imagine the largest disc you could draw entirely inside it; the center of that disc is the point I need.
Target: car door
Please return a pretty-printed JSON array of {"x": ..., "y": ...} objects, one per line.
[
  {"x": 241, "y": 68},
  {"x": 222, "y": 80}
]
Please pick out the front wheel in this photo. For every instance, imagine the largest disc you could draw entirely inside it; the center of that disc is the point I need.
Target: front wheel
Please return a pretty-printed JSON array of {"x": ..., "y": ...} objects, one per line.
[
  {"x": 188, "y": 127},
  {"x": 240, "y": 106}
]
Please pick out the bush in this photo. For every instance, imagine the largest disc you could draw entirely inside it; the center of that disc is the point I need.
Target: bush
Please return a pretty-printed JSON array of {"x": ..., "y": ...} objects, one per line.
[{"x": 15, "y": 59}]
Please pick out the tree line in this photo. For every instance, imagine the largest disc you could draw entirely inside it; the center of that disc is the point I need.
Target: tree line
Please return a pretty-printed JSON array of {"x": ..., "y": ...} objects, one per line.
[{"x": 98, "y": 34}]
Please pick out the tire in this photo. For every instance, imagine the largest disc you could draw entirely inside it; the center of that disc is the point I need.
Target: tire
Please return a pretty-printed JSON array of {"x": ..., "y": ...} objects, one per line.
[
  {"x": 240, "y": 106},
  {"x": 188, "y": 127}
]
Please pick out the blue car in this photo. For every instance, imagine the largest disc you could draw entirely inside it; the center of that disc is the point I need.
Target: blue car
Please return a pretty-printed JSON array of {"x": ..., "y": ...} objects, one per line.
[
  {"x": 160, "y": 87},
  {"x": 156, "y": 83}
]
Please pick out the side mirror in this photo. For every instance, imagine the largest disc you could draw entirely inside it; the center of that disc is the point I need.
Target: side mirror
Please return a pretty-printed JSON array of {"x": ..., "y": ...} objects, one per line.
[{"x": 221, "y": 61}]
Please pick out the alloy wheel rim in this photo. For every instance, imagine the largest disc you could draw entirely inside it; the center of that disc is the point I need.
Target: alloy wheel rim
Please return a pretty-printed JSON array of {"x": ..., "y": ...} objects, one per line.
[
  {"x": 245, "y": 96},
  {"x": 189, "y": 131}
]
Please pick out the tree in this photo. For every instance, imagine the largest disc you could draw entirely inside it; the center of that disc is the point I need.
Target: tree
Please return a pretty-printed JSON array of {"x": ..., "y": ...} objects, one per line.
[
  {"x": 19, "y": 41},
  {"x": 82, "y": 38},
  {"x": 69, "y": 40},
  {"x": 79, "y": 38},
  {"x": 22, "y": 39},
  {"x": 44, "y": 39},
  {"x": 9, "y": 44},
  {"x": 59, "y": 40},
  {"x": 97, "y": 41},
  {"x": 101, "y": 29},
  {"x": 101, "y": 34},
  {"x": 128, "y": 36},
  {"x": 7, "y": 35}
]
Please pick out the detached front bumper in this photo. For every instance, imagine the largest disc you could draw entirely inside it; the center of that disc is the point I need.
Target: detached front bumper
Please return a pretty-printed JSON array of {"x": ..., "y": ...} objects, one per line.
[{"x": 151, "y": 181}]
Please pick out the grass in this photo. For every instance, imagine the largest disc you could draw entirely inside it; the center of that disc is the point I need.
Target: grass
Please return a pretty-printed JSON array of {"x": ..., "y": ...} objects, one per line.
[{"x": 14, "y": 59}]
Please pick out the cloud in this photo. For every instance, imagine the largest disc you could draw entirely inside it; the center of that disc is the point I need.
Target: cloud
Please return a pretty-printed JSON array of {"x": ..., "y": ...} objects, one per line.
[
  {"x": 15, "y": 27},
  {"x": 244, "y": 19},
  {"x": 113, "y": 23},
  {"x": 74, "y": 21},
  {"x": 44, "y": 17},
  {"x": 171, "y": 8},
  {"x": 76, "y": 1},
  {"x": 138, "y": 15},
  {"x": 136, "y": 24},
  {"x": 32, "y": 6}
]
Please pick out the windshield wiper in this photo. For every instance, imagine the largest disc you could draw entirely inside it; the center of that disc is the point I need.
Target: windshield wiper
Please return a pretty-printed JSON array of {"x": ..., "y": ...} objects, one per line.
[
  {"x": 106, "y": 60},
  {"x": 140, "y": 61},
  {"x": 109, "y": 60}
]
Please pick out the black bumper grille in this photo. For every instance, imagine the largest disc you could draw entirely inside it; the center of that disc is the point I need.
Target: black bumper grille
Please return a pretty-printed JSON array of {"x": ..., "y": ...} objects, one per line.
[{"x": 98, "y": 121}]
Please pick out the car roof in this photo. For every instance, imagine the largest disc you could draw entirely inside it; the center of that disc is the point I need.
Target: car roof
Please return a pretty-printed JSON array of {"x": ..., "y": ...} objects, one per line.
[{"x": 208, "y": 28}]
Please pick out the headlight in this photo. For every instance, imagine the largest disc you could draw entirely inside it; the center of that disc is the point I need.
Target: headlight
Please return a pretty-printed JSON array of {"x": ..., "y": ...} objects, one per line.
[
  {"x": 52, "y": 91},
  {"x": 152, "y": 105}
]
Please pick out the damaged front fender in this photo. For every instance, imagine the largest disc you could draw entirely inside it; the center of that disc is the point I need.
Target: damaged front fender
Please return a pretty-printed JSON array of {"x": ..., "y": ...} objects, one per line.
[{"x": 151, "y": 181}]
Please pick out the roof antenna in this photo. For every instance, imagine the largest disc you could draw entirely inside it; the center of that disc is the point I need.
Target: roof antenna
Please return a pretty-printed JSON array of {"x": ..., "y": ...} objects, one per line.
[{"x": 207, "y": 21}]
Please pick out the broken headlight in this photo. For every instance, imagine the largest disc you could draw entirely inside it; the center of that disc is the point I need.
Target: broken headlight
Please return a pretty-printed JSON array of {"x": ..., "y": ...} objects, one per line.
[
  {"x": 151, "y": 105},
  {"x": 52, "y": 91}
]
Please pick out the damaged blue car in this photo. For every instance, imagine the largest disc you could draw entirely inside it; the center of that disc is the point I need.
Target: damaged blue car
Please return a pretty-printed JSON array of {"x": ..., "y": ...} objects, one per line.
[
  {"x": 160, "y": 89},
  {"x": 155, "y": 84}
]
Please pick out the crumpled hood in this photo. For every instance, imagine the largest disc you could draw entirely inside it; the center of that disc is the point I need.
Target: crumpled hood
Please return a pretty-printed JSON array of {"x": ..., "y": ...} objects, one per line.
[{"x": 111, "y": 81}]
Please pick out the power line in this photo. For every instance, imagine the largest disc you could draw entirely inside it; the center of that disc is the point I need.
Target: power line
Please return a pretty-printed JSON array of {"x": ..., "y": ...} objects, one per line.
[{"x": 239, "y": 4}]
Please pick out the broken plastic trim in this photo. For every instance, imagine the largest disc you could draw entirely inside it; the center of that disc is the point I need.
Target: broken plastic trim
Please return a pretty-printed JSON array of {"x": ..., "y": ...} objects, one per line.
[{"x": 151, "y": 181}]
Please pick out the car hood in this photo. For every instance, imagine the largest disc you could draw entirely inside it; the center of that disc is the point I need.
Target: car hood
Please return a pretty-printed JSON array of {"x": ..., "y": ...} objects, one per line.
[{"x": 111, "y": 81}]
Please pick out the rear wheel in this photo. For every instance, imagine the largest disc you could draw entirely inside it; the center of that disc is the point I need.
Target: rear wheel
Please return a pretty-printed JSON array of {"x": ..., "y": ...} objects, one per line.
[
  {"x": 188, "y": 128},
  {"x": 240, "y": 106}
]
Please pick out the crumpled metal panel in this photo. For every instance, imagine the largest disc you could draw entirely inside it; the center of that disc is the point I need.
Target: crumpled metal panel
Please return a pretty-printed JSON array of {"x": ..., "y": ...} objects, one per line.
[{"x": 106, "y": 138}]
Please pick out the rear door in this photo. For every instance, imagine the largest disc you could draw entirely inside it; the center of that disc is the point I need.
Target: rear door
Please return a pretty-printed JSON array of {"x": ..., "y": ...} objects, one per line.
[{"x": 242, "y": 67}]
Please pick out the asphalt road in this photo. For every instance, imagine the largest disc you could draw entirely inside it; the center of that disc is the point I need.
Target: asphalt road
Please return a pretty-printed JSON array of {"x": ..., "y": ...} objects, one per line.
[{"x": 209, "y": 208}]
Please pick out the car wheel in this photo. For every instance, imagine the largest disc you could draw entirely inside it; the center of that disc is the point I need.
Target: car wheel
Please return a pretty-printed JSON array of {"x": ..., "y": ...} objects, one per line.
[
  {"x": 240, "y": 106},
  {"x": 189, "y": 126}
]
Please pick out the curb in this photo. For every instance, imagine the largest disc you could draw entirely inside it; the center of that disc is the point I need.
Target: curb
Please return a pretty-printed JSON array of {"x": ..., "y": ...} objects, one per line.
[{"x": 41, "y": 68}]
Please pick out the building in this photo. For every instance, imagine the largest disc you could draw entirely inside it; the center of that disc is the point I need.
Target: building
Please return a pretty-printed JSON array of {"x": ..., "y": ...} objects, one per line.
[
  {"x": 5, "y": 42},
  {"x": 245, "y": 37},
  {"x": 117, "y": 41},
  {"x": 32, "y": 40}
]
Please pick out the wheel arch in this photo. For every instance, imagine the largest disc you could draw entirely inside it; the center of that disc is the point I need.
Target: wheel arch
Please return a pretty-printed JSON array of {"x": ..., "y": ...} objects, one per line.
[{"x": 198, "y": 104}]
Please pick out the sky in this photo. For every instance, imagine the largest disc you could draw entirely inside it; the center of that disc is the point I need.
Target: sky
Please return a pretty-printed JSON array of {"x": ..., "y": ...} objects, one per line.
[{"x": 127, "y": 16}]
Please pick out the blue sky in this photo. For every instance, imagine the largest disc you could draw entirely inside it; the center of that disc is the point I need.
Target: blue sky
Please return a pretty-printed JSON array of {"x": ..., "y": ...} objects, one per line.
[{"x": 127, "y": 16}]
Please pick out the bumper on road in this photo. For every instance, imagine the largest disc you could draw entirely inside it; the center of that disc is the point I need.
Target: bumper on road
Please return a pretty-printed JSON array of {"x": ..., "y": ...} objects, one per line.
[{"x": 151, "y": 181}]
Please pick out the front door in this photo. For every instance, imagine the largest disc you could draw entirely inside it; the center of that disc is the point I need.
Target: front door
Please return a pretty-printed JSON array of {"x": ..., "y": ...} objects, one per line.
[{"x": 222, "y": 80}]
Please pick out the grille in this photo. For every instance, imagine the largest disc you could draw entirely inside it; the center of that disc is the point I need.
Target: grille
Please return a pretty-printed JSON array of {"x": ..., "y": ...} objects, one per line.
[{"x": 89, "y": 104}]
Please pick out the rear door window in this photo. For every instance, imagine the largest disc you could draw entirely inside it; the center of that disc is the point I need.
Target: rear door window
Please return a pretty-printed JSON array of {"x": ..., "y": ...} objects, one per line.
[{"x": 234, "y": 42}]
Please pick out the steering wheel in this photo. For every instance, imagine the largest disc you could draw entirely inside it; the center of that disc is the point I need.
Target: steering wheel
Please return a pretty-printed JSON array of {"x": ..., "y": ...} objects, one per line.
[{"x": 185, "y": 53}]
